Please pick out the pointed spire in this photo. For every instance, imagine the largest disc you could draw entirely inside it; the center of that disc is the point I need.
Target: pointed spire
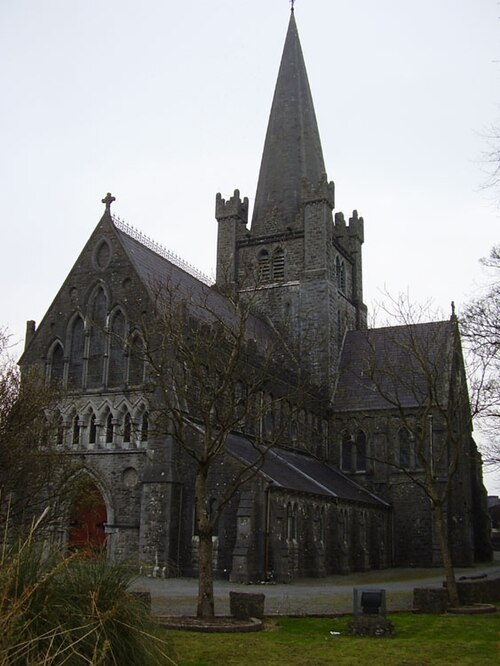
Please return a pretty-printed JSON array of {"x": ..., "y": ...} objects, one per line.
[{"x": 292, "y": 150}]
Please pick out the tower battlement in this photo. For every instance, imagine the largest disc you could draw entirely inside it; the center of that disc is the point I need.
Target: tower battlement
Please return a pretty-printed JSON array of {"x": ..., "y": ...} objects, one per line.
[
  {"x": 355, "y": 228},
  {"x": 322, "y": 191},
  {"x": 233, "y": 207}
]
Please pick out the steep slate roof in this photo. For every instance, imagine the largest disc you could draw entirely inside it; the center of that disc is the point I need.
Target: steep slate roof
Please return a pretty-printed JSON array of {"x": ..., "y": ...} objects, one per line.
[
  {"x": 395, "y": 366},
  {"x": 157, "y": 271},
  {"x": 292, "y": 149},
  {"x": 299, "y": 472}
]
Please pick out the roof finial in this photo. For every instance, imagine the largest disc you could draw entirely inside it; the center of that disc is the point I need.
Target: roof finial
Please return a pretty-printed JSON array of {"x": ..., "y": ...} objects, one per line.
[
  {"x": 108, "y": 200},
  {"x": 292, "y": 2},
  {"x": 453, "y": 315}
]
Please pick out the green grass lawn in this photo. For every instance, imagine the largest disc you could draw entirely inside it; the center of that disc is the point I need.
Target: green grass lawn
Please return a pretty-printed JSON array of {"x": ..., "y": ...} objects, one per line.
[{"x": 420, "y": 640}]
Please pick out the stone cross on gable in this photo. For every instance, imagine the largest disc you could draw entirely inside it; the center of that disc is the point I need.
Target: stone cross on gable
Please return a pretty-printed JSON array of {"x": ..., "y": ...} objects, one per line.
[{"x": 108, "y": 200}]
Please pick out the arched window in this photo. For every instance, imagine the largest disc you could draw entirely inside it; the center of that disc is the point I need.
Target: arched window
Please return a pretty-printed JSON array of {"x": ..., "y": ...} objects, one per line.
[
  {"x": 361, "y": 451},
  {"x": 116, "y": 370},
  {"x": 95, "y": 373},
  {"x": 127, "y": 429},
  {"x": 239, "y": 401},
  {"x": 347, "y": 457},
  {"x": 57, "y": 363},
  {"x": 76, "y": 431},
  {"x": 145, "y": 427},
  {"x": 110, "y": 429},
  {"x": 136, "y": 363},
  {"x": 268, "y": 418},
  {"x": 278, "y": 267},
  {"x": 92, "y": 430},
  {"x": 322, "y": 527},
  {"x": 293, "y": 429},
  {"x": 77, "y": 342},
  {"x": 340, "y": 271},
  {"x": 404, "y": 441},
  {"x": 264, "y": 266},
  {"x": 345, "y": 525},
  {"x": 324, "y": 437},
  {"x": 60, "y": 431},
  {"x": 291, "y": 521}
]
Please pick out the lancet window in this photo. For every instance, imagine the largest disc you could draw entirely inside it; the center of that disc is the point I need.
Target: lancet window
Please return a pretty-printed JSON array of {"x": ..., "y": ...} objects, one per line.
[
  {"x": 404, "y": 448},
  {"x": 93, "y": 429},
  {"x": 361, "y": 451},
  {"x": 110, "y": 429},
  {"x": 340, "y": 272},
  {"x": 264, "y": 266},
  {"x": 127, "y": 428},
  {"x": 95, "y": 373},
  {"x": 77, "y": 342},
  {"x": 278, "y": 266},
  {"x": 137, "y": 361},
  {"x": 145, "y": 427},
  {"x": 56, "y": 370},
  {"x": 116, "y": 370}
]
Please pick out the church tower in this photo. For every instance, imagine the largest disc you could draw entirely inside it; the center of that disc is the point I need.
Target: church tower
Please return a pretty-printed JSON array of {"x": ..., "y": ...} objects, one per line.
[{"x": 301, "y": 264}]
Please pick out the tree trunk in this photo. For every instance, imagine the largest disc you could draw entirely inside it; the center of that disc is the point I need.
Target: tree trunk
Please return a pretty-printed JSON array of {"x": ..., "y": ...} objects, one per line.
[
  {"x": 444, "y": 542},
  {"x": 205, "y": 607}
]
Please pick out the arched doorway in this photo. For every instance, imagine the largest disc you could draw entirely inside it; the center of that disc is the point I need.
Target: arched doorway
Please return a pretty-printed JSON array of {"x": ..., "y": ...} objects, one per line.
[{"x": 87, "y": 520}]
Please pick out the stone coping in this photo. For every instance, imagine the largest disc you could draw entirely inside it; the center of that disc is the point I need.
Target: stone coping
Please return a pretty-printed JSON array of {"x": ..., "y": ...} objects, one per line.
[{"x": 220, "y": 624}]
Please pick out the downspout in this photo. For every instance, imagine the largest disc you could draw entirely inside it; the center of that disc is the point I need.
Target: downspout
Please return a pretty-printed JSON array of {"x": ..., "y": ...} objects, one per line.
[
  {"x": 431, "y": 446},
  {"x": 179, "y": 521},
  {"x": 267, "y": 530}
]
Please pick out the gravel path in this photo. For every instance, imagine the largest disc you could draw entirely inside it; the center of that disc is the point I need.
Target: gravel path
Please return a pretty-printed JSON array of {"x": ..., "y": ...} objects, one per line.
[{"x": 177, "y": 596}]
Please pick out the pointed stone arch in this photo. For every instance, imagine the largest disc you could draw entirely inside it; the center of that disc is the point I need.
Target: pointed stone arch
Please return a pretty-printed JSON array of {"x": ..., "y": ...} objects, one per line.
[
  {"x": 90, "y": 510},
  {"x": 55, "y": 362}
]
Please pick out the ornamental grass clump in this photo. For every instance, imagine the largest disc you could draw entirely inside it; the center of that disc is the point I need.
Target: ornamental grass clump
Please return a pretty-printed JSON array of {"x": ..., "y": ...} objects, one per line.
[{"x": 73, "y": 610}]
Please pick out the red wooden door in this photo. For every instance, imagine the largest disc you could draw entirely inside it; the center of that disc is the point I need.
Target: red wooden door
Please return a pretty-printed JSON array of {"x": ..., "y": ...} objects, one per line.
[{"x": 87, "y": 519}]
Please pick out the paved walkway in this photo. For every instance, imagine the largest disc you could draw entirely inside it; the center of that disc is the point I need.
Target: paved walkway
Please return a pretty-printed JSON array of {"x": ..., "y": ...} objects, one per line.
[{"x": 177, "y": 596}]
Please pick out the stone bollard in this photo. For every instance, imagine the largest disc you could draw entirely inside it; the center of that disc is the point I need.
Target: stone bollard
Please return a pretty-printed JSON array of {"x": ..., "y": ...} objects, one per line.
[
  {"x": 432, "y": 600},
  {"x": 478, "y": 590},
  {"x": 144, "y": 598},
  {"x": 244, "y": 605}
]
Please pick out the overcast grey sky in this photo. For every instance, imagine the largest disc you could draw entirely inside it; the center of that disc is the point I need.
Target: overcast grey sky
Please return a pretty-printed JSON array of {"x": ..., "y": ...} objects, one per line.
[{"x": 165, "y": 103}]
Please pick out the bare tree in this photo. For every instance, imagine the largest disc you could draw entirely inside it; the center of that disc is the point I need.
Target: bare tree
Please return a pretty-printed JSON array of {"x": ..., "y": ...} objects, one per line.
[
  {"x": 414, "y": 372},
  {"x": 480, "y": 326},
  {"x": 31, "y": 465},
  {"x": 491, "y": 158},
  {"x": 217, "y": 369}
]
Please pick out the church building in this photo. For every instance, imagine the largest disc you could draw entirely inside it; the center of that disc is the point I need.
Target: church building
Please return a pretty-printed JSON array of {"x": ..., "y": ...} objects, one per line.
[{"x": 342, "y": 483}]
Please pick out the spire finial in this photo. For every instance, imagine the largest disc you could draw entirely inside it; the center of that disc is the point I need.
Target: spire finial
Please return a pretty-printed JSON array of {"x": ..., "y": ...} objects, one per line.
[
  {"x": 292, "y": 3},
  {"x": 107, "y": 201}
]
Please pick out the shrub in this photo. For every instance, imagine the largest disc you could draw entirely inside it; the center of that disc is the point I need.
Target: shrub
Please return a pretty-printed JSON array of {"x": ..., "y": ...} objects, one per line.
[{"x": 73, "y": 610}]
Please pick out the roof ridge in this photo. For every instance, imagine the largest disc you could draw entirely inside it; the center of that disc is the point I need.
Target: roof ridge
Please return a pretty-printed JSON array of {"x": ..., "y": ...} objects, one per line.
[
  {"x": 161, "y": 250},
  {"x": 409, "y": 324}
]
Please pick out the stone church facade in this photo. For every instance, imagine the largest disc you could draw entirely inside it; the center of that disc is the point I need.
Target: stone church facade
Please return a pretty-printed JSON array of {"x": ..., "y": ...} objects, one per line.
[{"x": 340, "y": 493}]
